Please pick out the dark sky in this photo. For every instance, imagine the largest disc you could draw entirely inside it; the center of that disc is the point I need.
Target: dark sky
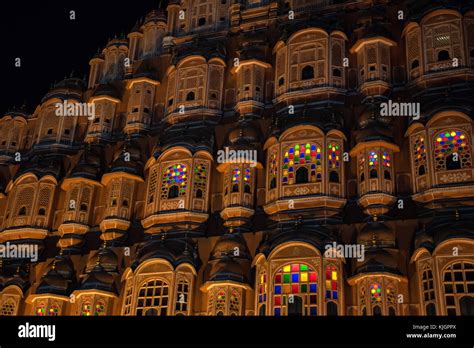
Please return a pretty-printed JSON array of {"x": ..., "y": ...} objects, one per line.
[{"x": 51, "y": 45}]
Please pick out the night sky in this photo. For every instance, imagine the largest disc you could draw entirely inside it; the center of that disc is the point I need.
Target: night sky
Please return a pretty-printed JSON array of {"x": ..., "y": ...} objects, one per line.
[{"x": 51, "y": 45}]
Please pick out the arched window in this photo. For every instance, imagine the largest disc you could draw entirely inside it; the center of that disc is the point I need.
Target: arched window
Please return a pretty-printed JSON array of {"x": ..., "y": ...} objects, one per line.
[
  {"x": 373, "y": 164},
  {"x": 8, "y": 308},
  {"x": 41, "y": 211},
  {"x": 22, "y": 211},
  {"x": 419, "y": 154},
  {"x": 84, "y": 207},
  {"x": 247, "y": 188},
  {"x": 373, "y": 174},
  {"x": 427, "y": 286},
  {"x": 376, "y": 311},
  {"x": 430, "y": 309},
  {"x": 301, "y": 175},
  {"x": 221, "y": 300},
  {"x": 336, "y": 72},
  {"x": 307, "y": 155},
  {"x": 234, "y": 302},
  {"x": 262, "y": 293},
  {"x": 452, "y": 150},
  {"x": 334, "y": 161},
  {"x": 53, "y": 310},
  {"x": 273, "y": 167},
  {"x": 467, "y": 305},
  {"x": 174, "y": 175},
  {"x": 458, "y": 282},
  {"x": 331, "y": 283},
  {"x": 331, "y": 309},
  {"x": 41, "y": 309},
  {"x": 281, "y": 81},
  {"x": 293, "y": 283},
  {"x": 443, "y": 55},
  {"x": 200, "y": 180},
  {"x": 415, "y": 64},
  {"x": 376, "y": 293},
  {"x": 99, "y": 308},
  {"x": 153, "y": 294},
  {"x": 307, "y": 73},
  {"x": 182, "y": 297},
  {"x": 202, "y": 21},
  {"x": 190, "y": 96},
  {"x": 86, "y": 308},
  {"x": 173, "y": 192}
]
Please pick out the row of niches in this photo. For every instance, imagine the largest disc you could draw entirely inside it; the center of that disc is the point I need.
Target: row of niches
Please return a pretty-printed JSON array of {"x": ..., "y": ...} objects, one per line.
[
  {"x": 318, "y": 164},
  {"x": 439, "y": 285}
]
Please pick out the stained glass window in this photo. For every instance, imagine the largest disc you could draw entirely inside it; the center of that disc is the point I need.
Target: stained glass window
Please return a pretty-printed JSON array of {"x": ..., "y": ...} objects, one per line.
[
  {"x": 376, "y": 292},
  {"x": 387, "y": 161},
  {"x": 247, "y": 175},
  {"x": 220, "y": 302},
  {"x": 361, "y": 168},
  {"x": 86, "y": 309},
  {"x": 99, "y": 308},
  {"x": 175, "y": 174},
  {"x": 391, "y": 298},
  {"x": 373, "y": 159},
  {"x": 334, "y": 156},
  {"x": 419, "y": 155},
  {"x": 234, "y": 302},
  {"x": 53, "y": 310},
  {"x": 236, "y": 175},
  {"x": 331, "y": 282},
  {"x": 308, "y": 155},
  {"x": 262, "y": 288},
  {"x": 295, "y": 280},
  {"x": 273, "y": 170},
  {"x": 200, "y": 178},
  {"x": 41, "y": 310},
  {"x": 450, "y": 142}
]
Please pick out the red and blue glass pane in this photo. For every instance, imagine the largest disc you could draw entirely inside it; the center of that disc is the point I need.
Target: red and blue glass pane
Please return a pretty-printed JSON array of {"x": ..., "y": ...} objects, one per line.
[
  {"x": 376, "y": 292},
  {"x": 176, "y": 175},
  {"x": 236, "y": 175},
  {"x": 386, "y": 159},
  {"x": 331, "y": 282},
  {"x": 450, "y": 142},
  {"x": 373, "y": 159},
  {"x": 247, "y": 175},
  {"x": 334, "y": 153},
  {"x": 300, "y": 155}
]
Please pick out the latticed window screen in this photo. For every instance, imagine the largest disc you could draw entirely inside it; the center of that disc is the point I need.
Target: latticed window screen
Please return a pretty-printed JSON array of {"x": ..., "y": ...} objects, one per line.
[
  {"x": 8, "y": 308},
  {"x": 458, "y": 281},
  {"x": 153, "y": 298},
  {"x": 24, "y": 199},
  {"x": 182, "y": 297},
  {"x": 452, "y": 145}
]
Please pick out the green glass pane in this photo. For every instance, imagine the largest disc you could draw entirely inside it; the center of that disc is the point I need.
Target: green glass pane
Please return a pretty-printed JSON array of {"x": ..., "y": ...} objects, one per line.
[
  {"x": 303, "y": 267},
  {"x": 304, "y": 288},
  {"x": 286, "y": 278}
]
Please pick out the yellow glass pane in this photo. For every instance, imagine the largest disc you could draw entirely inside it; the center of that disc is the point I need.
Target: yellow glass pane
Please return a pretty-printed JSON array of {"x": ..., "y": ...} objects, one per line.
[
  {"x": 328, "y": 284},
  {"x": 334, "y": 275},
  {"x": 304, "y": 276},
  {"x": 286, "y": 268}
]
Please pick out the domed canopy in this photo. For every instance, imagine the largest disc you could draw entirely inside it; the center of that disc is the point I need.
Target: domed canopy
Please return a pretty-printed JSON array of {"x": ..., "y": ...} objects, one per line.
[
  {"x": 89, "y": 166},
  {"x": 59, "y": 279},
  {"x": 378, "y": 260},
  {"x": 129, "y": 159},
  {"x": 105, "y": 89},
  {"x": 174, "y": 251}
]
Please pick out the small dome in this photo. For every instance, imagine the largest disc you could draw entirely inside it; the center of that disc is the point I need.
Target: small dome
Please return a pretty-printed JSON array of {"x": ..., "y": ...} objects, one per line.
[
  {"x": 244, "y": 132},
  {"x": 105, "y": 90},
  {"x": 118, "y": 41},
  {"x": 105, "y": 258},
  {"x": 89, "y": 166},
  {"x": 378, "y": 260},
  {"x": 227, "y": 245},
  {"x": 129, "y": 158},
  {"x": 227, "y": 269},
  {"x": 155, "y": 16}
]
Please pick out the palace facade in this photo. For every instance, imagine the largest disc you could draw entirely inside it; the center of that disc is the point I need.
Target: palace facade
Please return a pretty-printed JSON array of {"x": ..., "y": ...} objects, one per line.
[{"x": 133, "y": 214}]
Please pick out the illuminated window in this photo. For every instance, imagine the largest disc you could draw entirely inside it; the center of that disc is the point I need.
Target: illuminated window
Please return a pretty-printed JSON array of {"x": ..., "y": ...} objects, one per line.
[
  {"x": 458, "y": 283},
  {"x": 387, "y": 162},
  {"x": 452, "y": 150},
  {"x": 236, "y": 175},
  {"x": 153, "y": 298},
  {"x": 234, "y": 302},
  {"x": 174, "y": 180},
  {"x": 361, "y": 168},
  {"x": 373, "y": 159},
  {"x": 376, "y": 293},
  {"x": 53, "y": 310},
  {"x": 99, "y": 308},
  {"x": 419, "y": 155},
  {"x": 262, "y": 292},
  {"x": 220, "y": 302},
  {"x": 182, "y": 297},
  {"x": 247, "y": 175},
  {"x": 331, "y": 283},
  {"x": 334, "y": 161},
  {"x": 306, "y": 156},
  {"x": 41, "y": 309},
  {"x": 200, "y": 179},
  {"x": 428, "y": 291},
  {"x": 8, "y": 308},
  {"x": 86, "y": 310},
  {"x": 273, "y": 170},
  {"x": 295, "y": 290}
]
